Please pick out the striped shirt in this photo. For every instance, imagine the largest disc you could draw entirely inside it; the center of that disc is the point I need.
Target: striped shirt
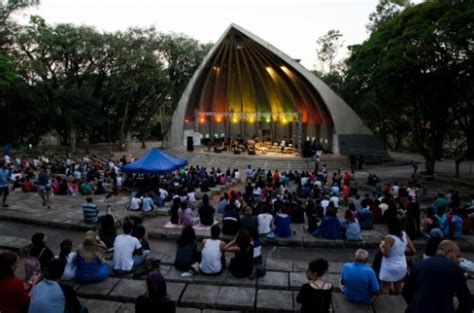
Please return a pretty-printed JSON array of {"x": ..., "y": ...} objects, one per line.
[{"x": 90, "y": 213}]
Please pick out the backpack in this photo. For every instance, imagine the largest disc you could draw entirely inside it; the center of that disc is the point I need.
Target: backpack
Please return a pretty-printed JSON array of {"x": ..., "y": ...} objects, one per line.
[{"x": 32, "y": 264}]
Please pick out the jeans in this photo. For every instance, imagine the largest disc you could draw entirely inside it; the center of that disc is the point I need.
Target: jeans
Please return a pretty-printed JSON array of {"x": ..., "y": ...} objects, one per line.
[{"x": 140, "y": 259}]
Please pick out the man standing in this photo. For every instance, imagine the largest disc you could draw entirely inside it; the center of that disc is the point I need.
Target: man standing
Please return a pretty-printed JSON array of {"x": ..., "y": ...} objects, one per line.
[
  {"x": 4, "y": 178},
  {"x": 359, "y": 282},
  {"x": 434, "y": 282}
]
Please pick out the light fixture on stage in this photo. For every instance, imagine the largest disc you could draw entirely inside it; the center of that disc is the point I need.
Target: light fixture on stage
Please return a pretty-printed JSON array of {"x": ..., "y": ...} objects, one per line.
[
  {"x": 202, "y": 119},
  {"x": 268, "y": 120},
  {"x": 234, "y": 120},
  {"x": 186, "y": 120},
  {"x": 218, "y": 119}
]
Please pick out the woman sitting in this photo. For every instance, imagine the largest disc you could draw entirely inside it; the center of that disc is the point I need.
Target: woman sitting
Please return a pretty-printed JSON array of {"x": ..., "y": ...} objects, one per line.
[
  {"x": 174, "y": 211},
  {"x": 315, "y": 296},
  {"x": 241, "y": 265},
  {"x": 156, "y": 299},
  {"x": 90, "y": 260},
  {"x": 330, "y": 227},
  {"x": 351, "y": 226},
  {"x": 186, "y": 251},
  {"x": 108, "y": 232}
]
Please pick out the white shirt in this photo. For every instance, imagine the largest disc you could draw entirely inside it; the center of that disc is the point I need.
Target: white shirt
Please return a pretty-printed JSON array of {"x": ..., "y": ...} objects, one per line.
[
  {"x": 124, "y": 246},
  {"x": 335, "y": 200},
  {"x": 264, "y": 222},
  {"x": 211, "y": 257},
  {"x": 135, "y": 204},
  {"x": 163, "y": 193}
]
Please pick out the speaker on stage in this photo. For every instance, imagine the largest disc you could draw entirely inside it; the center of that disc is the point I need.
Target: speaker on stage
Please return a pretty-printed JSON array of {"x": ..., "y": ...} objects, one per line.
[
  {"x": 307, "y": 149},
  {"x": 190, "y": 143}
]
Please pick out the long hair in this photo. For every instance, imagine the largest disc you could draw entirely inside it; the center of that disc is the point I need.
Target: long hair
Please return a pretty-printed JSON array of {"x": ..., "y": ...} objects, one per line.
[
  {"x": 156, "y": 285},
  {"x": 187, "y": 236},
  {"x": 243, "y": 239},
  {"x": 7, "y": 260},
  {"x": 394, "y": 226}
]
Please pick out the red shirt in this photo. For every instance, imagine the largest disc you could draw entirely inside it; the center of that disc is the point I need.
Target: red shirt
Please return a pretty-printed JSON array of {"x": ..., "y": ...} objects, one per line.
[{"x": 13, "y": 297}]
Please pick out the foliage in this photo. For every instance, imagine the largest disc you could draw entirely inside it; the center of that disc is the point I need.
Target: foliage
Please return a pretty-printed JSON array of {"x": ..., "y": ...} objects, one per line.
[
  {"x": 413, "y": 72},
  {"x": 91, "y": 86}
]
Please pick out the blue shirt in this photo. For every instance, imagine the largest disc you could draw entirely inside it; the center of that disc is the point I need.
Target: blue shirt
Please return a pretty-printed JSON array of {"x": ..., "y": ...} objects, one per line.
[
  {"x": 360, "y": 283},
  {"x": 147, "y": 204},
  {"x": 283, "y": 228},
  {"x": 90, "y": 213},
  {"x": 4, "y": 177},
  {"x": 47, "y": 296}
]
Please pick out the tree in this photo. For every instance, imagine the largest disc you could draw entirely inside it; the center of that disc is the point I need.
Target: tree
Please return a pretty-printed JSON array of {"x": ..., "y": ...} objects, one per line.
[
  {"x": 384, "y": 11},
  {"x": 411, "y": 67}
]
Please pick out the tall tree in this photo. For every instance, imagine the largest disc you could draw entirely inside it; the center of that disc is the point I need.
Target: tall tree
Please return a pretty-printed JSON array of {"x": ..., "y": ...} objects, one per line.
[{"x": 411, "y": 65}]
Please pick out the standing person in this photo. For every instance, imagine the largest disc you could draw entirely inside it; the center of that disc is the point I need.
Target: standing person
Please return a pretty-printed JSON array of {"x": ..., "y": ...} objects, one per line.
[
  {"x": 13, "y": 296},
  {"x": 434, "y": 282},
  {"x": 4, "y": 179},
  {"x": 128, "y": 252},
  {"x": 315, "y": 296},
  {"x": 241, "y": 265},
  {"x": 212, "y": 254},
  {"x": 394, "y": 263},
  {"x": 157, "y": 298},
  {"x": 359, "y": 281},
  {"x": 44, "y": 187},
  {"x": 51, "y": 296},
  {"x": 107, "y": 231}
]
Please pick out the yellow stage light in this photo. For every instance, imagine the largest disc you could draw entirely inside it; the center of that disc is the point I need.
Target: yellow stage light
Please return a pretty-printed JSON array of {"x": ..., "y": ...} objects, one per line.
[
  {"x": 218, "y": 119},
  {"x": 202, "y": 120},
  {"x": 268, "y": 120},
  {"x": 234, "y": 120}
]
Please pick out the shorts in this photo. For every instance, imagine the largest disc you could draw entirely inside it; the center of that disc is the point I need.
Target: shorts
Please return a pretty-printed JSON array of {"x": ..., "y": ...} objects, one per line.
[{"x": 44, "y": 189}]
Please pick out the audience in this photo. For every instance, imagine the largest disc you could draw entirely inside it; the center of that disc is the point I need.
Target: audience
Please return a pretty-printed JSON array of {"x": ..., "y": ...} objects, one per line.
[
  {"x": 358, "y": 281},
  {"x": 69, "y": 259},
  {"x": 186, "y": 251},
  {"x": 128, "y": 252},
  {"x": 206, "y": 212},
  {"x": 241, "y": 265},
  {"x": 330, "y": 227},
  {"x": 156, "y": 299},
  {"x": 13, "y": 296},
  {"x": 107, "y": 230},
  {"x": 38, "y": 251},
  {"x": 91, "y": 267},
  {"x": 50, "y": 296},
  {"x": 91, "y": 212},
  {"x": 282, "y": 223},
  {"x": 433, "y": 282},
  {"x": 394, "y": 263},
  {"x": 351, "y": 227},
  {"x": 316, "y": 295},
  {"x": 212, "y": 254}
]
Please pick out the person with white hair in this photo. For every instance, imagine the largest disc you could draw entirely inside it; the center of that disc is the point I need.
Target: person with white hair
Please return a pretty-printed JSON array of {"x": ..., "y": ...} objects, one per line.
[{"x": 358, "y": 280}]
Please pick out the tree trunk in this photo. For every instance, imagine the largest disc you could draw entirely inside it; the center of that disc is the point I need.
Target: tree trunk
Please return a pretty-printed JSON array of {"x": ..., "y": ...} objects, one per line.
[
  {"x": 458, "y": 163},
  {"x": 73, "y": 137},
  {"x": 122, "y": 128}
]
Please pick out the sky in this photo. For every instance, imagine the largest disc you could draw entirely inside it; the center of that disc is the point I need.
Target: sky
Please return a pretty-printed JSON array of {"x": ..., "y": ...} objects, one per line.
[{"x": 292, "y": 26}]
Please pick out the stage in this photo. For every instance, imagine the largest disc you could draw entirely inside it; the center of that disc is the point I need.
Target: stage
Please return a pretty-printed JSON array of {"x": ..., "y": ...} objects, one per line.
[{"x": 269, "y": 161}]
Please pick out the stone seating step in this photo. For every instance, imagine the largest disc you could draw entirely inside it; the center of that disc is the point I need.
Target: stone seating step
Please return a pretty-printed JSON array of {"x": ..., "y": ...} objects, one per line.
[{"x": 13, "y": 243}]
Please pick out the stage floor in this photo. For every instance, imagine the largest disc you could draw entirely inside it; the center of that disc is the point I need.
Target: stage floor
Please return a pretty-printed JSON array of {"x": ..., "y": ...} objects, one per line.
[{"x": 268, "y": 161}]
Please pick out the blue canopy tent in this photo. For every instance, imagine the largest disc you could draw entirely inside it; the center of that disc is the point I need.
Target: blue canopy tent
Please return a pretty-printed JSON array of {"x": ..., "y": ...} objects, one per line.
[{"x": 155, "y": 162}]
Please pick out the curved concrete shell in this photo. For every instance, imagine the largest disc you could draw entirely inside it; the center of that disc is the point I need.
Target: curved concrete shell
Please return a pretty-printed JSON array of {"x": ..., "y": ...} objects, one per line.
[{"x": 246, "y": 87}]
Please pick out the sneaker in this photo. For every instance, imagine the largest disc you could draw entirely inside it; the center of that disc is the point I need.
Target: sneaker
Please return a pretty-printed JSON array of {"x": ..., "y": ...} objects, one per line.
[
  {"x": 187, "y": 274},
  {"x": 44, "y": 203},
  {"x": 49, "y": 207},
  {"x": 5, "y": 205}
]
